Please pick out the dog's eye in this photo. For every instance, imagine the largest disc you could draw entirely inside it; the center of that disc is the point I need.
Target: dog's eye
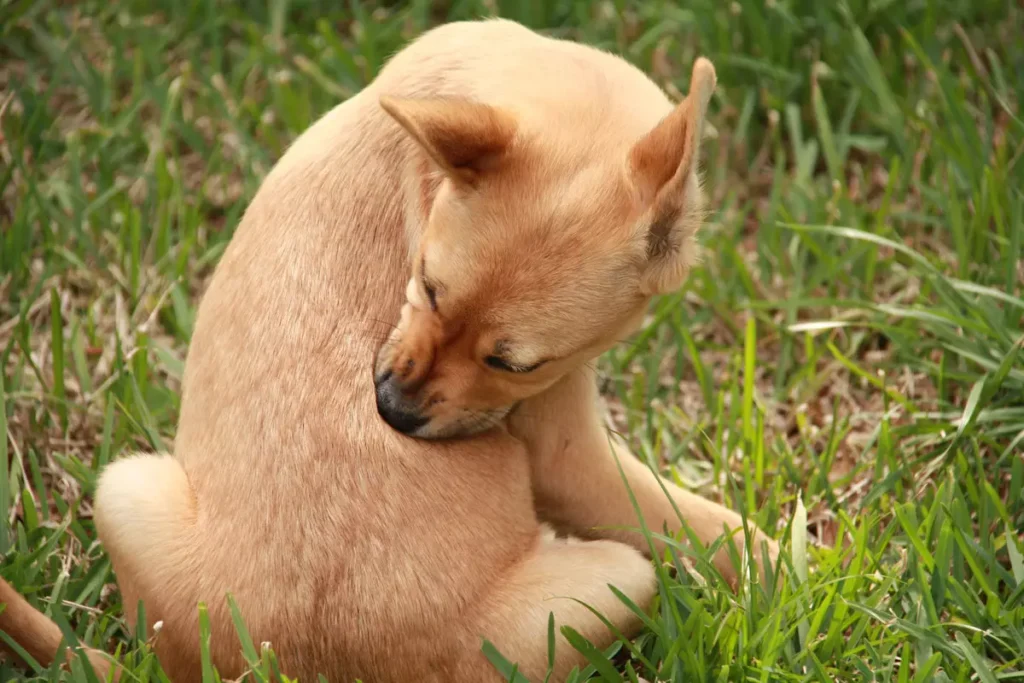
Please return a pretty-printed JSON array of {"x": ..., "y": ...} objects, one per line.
[
  {"x": 498, "y": 363},
  {"x": 431, "y": 295}
]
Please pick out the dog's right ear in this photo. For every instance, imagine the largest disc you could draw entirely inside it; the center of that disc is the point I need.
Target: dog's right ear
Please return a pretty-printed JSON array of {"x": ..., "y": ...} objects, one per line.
[
  {"x": 663, "y": 168},
  {"x": 464, "y": 138}
]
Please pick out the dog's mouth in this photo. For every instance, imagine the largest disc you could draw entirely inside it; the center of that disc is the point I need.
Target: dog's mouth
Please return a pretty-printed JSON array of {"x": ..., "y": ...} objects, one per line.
[
  {"x": 472, "y": 424},
  {"x": 408, "y": 416}
]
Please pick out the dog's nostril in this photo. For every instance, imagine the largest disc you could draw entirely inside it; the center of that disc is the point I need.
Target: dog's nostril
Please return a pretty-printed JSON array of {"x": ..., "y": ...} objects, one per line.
[{"x": 383, "y": 377}]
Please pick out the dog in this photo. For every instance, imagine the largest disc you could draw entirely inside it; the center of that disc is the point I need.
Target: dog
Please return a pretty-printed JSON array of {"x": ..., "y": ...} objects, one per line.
[{"x": 387, "y": 396}]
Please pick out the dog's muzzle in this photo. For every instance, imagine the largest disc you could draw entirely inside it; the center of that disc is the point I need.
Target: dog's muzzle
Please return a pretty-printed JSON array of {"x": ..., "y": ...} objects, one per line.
[{"x": 394, "y": 407}]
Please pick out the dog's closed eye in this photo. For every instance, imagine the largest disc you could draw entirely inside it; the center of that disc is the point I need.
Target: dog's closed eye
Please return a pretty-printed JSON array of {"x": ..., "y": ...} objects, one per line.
[
  {"x": 429, "y": 288},
  {"x": 499, "y": 363},
  {"x": 431, "y": 294}
]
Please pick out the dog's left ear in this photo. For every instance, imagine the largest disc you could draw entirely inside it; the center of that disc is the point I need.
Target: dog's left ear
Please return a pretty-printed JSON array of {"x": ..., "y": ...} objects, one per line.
[
  {"x": 663, "y": 168},
  {"x": 464, "y": 138}
]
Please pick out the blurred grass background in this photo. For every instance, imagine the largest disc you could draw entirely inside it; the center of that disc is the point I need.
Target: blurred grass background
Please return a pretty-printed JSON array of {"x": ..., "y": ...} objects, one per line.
[{"x": 844, "y": 366}]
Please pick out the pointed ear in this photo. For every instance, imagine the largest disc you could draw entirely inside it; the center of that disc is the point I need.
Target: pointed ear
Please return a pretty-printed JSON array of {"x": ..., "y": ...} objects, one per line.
[
  {"x": 667, "y": 153},
  {"x": 464, "y": 138},
  {"x": 663, "y": 168}
]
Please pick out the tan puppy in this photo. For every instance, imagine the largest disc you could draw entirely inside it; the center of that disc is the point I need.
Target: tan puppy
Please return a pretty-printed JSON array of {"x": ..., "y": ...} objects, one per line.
[{"x": 501, "y": 207}]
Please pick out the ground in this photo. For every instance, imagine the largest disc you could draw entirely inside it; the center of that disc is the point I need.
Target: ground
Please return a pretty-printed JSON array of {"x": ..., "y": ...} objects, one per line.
[{"x": 843, "y": 366}]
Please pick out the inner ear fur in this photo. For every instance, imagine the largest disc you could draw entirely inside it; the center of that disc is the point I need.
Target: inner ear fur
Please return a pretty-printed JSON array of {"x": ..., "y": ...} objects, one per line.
[
  {"x": 464, "y": 138},
  {"x": 663, "y": 168}
]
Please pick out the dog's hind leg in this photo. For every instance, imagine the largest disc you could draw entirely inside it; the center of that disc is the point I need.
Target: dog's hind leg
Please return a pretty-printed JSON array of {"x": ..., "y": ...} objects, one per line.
[
  {"x": 556, "y": 578},
  {"x": 144, "y": 510},
  {"x": 145, "y": 514}
]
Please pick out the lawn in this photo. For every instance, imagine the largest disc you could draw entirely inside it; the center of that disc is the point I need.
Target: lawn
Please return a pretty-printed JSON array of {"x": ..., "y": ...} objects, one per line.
[{"x": 844, "y": 366}]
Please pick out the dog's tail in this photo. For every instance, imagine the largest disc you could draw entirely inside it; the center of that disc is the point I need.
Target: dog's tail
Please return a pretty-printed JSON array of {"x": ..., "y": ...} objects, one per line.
[{"x": 38, "y": 635}]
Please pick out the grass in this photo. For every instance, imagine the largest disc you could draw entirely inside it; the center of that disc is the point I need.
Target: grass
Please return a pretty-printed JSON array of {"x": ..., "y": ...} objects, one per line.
[{"x": 844, "y": 366}]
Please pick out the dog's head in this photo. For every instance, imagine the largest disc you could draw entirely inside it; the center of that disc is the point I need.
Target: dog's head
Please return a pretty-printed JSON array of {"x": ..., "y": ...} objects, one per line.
[{"x": 537, "y": 255}]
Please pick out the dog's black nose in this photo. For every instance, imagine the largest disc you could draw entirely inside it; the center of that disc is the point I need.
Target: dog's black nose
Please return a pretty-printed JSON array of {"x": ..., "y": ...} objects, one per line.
[{"x": 394, "y": 408}]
